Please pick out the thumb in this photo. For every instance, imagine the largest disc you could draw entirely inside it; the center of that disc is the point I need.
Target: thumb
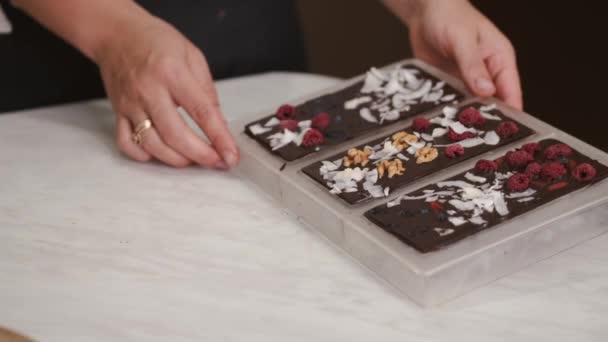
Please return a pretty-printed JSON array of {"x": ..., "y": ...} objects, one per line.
[{"x": 473, "y": 68}]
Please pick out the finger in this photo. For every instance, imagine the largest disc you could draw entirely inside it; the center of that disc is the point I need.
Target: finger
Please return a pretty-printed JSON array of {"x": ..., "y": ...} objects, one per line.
[
  {"x": 503, "y": 69},
  {"x": 199, "y": 97},
  {"x": 471, "y": 64},
  {"x": 126, "y": 144},
  {"x": 153, "y": 144},
  {"x": 176, "y": 133}
]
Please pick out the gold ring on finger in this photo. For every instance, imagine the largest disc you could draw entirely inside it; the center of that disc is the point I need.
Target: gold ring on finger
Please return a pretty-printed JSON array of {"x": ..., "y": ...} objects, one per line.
[{"x": 140, "y": 129}]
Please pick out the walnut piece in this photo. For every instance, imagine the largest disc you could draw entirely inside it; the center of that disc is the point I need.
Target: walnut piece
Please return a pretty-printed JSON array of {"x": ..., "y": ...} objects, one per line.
[
  {"x": 402, "y": 140},
  {"x": 426, "y": 154},
  {"x": 393, "y": 167},
  {"x": 355, "y": 156}
]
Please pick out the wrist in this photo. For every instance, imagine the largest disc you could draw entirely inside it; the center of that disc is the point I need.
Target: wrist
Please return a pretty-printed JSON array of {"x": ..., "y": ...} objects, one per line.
[{"x": 413, "y": 11}]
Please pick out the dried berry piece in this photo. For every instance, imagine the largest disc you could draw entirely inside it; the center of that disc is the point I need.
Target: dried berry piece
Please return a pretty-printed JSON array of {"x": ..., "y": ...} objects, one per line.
[
  {"x": 321, "y": 121},
  {"x": 486, "y": 166},
  {"x": 312, "y": 137},
  {"x": 558, "y": 151},
  {"x": 421, "y": 124},
  {"x": 459, "y": 137},
  {"x": 507, "y": 129},
  {"x": 531, "y": 148},
  {"x": 519, "y": 159},
  {"x": 285, "y": 112},
  {"x": 518, "y": 182},
  {"x": 533, "y": 170},
  {"x": 584, "y": 172},
  {"x": 291, "y": 125},
  {"x": 557, "y": 186},
  {"x": 454, "y": 151},
  {"x": 471, "y": 117},
  {"x": 553, "y": 171}
]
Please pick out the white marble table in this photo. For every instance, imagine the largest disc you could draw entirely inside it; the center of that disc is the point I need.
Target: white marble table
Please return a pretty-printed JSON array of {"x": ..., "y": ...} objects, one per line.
[{"x": 95, "y": 247}]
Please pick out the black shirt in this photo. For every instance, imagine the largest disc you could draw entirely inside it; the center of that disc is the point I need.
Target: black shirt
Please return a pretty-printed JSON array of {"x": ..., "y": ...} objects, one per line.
[{"x": 238, "y": 37}]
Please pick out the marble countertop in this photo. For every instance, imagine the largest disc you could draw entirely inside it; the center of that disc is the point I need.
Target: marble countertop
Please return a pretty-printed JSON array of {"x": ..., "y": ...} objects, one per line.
[{"x": 96, "y": 247}]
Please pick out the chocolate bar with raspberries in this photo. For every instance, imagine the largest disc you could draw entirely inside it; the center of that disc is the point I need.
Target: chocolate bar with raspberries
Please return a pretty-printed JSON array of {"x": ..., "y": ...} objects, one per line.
[
  {"x": 376, "y": 169},
  {"x": 494, "y": 191},
  {"x": 382, "y": 98}
]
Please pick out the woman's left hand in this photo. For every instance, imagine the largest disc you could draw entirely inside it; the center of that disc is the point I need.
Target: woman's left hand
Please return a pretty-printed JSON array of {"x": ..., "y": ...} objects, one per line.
[{"x": 454, "y": 36}]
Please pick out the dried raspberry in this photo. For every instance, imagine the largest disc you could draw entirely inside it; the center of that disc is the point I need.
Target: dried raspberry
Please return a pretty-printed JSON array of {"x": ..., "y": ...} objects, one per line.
[
  {"x": 507, "y": 129},
  {"x": 519, "y": 159},
  {"x": 421, "y": 124},
  {"x": 285, "y": 112},
  {"x": 312, "y": 137},
  {"x": 321, "y": 121},
  {"x": 584, "y": 172},
  {"x": 291, "y": 125},
  {"x": 531, "y": 148},
  {"x": 454, "y": 151},
  {"x": 518, "y": 182},
  {"x": 459, "y": 137},
  {"x": 553, "y": 171},
  {"x": 471, "y": 117},
  {"x": 557, "y": 151},
  {"x": 486, "y": 166},
  {"x": 533, "y": 170},
  {"x": 557, "y": 186}
]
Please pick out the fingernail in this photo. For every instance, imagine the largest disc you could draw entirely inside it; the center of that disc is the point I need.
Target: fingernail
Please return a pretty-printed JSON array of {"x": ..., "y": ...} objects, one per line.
[
  {"x": 230, "y": 158},
  {"x": 484, "y": 85},
  {"x": 221, "y": 165}
]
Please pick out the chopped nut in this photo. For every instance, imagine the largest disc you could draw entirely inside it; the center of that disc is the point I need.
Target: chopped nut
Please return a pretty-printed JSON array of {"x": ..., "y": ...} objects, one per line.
[
  {"x": 426, "y": 154},
  {"x": 355, "y": 156},
  {"x": 394, "y": 167},
  {"x": 402, "y": 140}
]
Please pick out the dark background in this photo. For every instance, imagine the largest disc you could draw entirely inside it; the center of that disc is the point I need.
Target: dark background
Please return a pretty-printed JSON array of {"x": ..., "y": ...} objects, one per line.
[{"x": 560, "y": 47}]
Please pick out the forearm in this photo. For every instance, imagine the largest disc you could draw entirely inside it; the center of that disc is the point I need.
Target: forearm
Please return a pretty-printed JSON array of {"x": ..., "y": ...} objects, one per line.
[
  {"x": 86, "y": 24},
  {"x": 410, "y": 10}
]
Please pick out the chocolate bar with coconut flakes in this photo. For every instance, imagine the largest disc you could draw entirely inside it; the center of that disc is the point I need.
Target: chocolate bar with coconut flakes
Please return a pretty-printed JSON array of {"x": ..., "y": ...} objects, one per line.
[
  {"x": 376, "y": 169},
  {"x": 381, "y": 99},
  {"x": 491, "y": 193}
]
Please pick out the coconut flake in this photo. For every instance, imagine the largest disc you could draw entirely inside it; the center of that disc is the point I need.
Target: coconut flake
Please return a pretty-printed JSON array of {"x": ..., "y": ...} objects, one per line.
[
  {"x": 402, "y": 157},
  {"x": 366, "y": 114},
  {"x": 457, "y": 220},
  {"x": 281, "y": 139},
  {"x": 491, "y": 138},
  {"x": 449, "y": 112},
  {"x": 439, "y": 85},
  {"x": 389, "y": 116},
  {"x": 426, "y": 137},
  {"x": 373, "y": 81},
  {"x": 488, "y": 107},
  {"x": 304, "y": 124},
  {"x": 471, "y": 142},
  {"x": 500, "y": 204},
  {"x": 459, "y": 128},
  {"x": 473, "y": 178},
  {"x": 456, "y": 184},
  {"x": 443, "y": 231},
  {"x": 327, "y": 166},
  {"x": 257, "y": 129},
  {"x": 526, "y": 199},
  {"x": 386, "y": 191},
  {"x": 526, "y": 193},
  {"x": 477, "y": 220},
  {"x": 356, "y": 102},
  {"x": 448, "y": 98},
  {"x": 439, "y": 132},
  {"x": 423, "y": 90}
]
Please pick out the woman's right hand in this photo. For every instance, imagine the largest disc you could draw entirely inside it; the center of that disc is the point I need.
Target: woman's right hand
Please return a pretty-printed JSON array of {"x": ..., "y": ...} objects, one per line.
[{"x": 150, "y": 69}]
